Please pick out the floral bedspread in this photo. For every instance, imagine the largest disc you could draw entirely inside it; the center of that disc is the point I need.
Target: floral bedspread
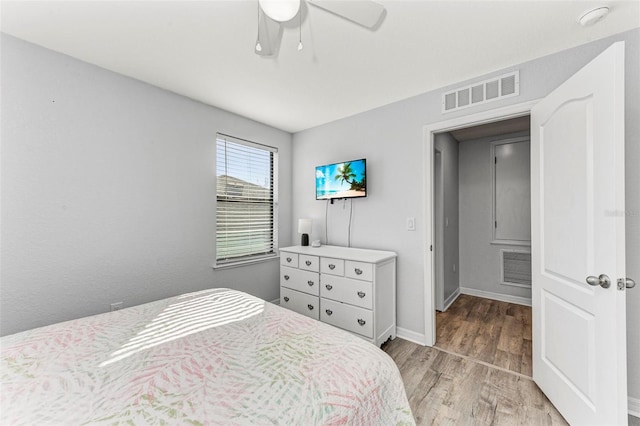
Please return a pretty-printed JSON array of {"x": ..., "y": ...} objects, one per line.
[{"x": 212, "y": 357}]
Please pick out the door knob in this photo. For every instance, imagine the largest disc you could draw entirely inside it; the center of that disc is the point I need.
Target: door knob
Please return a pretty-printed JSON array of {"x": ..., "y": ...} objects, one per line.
[{"x": 603, "y": 281}]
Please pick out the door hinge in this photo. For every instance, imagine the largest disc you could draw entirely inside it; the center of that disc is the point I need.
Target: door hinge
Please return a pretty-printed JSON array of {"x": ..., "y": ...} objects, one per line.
[
  {"x": 495, "y": 224},
  {"x": 431, "y": 247},
  {"x": 495, "y": 160}
]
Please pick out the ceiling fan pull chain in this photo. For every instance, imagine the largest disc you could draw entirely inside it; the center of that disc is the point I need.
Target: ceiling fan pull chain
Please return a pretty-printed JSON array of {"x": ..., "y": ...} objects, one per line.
[
  {"x": 258, "y": 45},
  {"x": 300, "y": 31}
]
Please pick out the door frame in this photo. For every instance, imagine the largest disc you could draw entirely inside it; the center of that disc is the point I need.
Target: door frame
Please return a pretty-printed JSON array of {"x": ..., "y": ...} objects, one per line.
[
  {"x": 484, "y": 117},
  {"x": 438, "y": 252}
]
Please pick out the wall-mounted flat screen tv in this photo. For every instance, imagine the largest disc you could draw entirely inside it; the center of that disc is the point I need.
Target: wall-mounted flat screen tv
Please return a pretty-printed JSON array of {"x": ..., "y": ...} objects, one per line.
[{"x": 342, "y": 180}]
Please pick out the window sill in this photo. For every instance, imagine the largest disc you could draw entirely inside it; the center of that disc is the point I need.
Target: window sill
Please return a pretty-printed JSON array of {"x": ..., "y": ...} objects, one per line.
[{"x": 245, "y": 262}]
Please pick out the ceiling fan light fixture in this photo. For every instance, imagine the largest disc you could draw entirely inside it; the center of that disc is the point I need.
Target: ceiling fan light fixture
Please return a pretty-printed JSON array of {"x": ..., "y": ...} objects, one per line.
[{"x": 280, "y": 10}]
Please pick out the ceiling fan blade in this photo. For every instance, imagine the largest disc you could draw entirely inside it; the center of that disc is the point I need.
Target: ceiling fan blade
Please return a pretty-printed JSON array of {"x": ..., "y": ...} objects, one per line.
[
  {"x": 269, "y": 36},
  {"x": 366, "y": 13}
]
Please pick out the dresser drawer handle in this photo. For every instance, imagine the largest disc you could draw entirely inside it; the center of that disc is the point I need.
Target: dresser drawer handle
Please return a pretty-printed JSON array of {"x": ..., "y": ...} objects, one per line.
[
  {"x": 328, "y": 311},
  {"x": 358, "y": 271},
  {"x": 289, "y": 259},
  {"x": 329, "y": 287},
  {"x": 332, "y": 266},
  {"x": 310, "y": 283},
  {"x": 310, "y": 307},
  {"x": 286, "y": 277},
  {"x": 286, "y": 299},
  {"x": 308, "y": 263},
  {"x": 361, "y": 294},
  {"x": 361, "y": 321}
]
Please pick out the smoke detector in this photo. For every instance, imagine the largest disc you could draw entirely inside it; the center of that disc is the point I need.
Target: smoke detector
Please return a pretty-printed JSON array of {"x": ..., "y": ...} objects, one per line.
[{"x": 591, "y": 16}]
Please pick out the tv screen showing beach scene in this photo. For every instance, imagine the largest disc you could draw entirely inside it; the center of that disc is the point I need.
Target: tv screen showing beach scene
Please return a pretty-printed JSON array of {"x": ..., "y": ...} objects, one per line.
[{"x": 342, "y": 180}]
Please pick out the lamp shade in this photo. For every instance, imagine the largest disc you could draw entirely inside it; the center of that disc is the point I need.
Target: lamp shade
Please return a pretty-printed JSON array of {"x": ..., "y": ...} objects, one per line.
[
  {"x": 280, "y": 10},
  {"x": 304, "y": 226}
]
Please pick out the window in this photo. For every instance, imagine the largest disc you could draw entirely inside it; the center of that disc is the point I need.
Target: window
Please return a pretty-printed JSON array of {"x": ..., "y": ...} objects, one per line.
[{"x": 246, "y": 201}]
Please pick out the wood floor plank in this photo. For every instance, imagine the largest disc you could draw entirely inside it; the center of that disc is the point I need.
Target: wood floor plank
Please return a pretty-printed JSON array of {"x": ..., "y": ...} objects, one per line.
[
  {"x": 526, "y": 366},
  {"x": 487, "y": 330},
  {"x": 446, "y": 389},
  {"x": 400, "y": 351}
]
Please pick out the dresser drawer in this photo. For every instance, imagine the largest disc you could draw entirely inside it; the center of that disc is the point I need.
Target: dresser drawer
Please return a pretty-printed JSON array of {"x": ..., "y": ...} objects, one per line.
[
  {"x": 358, "y": 270},
  {"x": 297, "y": 279},
  {"x": 289, "y": 259},
  {"x": 351, "y": 318},
  {"x": 309, "y": 263},
  {"x": 301, "y": 303},
  {"x": 347, "y": 290},
  {"x": 332, "y": 266}
]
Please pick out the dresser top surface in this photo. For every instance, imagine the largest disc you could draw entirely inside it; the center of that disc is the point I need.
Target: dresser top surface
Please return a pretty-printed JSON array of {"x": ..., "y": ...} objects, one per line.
[{"x": 347, "y": 253}]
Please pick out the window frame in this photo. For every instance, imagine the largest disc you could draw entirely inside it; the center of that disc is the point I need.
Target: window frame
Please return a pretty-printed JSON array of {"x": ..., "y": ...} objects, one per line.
[{"x": 239, "y": 260}]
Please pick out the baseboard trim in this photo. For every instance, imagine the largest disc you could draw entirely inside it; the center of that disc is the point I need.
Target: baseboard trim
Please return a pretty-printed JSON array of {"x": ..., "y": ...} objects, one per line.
[
  {"x": 634, "y": 406},
  {"x": 526, "y": 301},
  {"x": 412, "y": 336},
  {"x": 276, "y": 301},
  {"x": 449, "y": 301}
]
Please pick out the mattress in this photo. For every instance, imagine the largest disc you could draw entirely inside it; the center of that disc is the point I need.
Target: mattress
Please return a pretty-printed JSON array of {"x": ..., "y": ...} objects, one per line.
[{"x": 213, "y": 357}]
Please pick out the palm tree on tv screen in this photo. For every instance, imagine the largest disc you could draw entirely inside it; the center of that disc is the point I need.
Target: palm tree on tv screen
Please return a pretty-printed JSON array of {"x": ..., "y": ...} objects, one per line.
[{"x": 345, "y": 174}]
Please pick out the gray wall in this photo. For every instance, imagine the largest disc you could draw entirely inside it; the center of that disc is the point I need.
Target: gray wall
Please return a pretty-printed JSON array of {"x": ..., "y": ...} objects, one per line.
[
  {"x": 448, "y": 146},
  {"x": 108, "y": 191},
  {"x": 391, "y": 138},
  {"x": 479, "y": 259}
]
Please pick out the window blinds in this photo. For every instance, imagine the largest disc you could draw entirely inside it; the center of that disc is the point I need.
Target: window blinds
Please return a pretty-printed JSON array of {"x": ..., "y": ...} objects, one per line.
[{"x": 246, "y": 200}]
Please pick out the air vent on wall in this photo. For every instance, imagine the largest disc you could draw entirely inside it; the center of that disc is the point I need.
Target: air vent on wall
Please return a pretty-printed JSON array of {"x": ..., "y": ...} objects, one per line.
[
  {"x": 516, "y": 268},
  {"x": 500, "y": 87}
]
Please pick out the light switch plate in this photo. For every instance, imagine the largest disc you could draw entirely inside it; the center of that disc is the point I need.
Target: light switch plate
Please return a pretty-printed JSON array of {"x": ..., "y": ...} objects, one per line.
[{"x": 411, "y": 224}]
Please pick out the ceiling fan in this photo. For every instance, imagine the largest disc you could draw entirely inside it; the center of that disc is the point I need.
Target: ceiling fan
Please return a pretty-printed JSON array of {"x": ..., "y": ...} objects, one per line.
[{"x": 272, "y": 14}]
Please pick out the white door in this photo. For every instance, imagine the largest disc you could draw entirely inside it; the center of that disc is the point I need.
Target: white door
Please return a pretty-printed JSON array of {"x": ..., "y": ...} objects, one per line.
[{"x": 578, "y": 231}]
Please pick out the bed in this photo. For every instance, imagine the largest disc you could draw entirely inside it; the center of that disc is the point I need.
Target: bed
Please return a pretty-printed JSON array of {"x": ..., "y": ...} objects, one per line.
[{"x": 213, "y": 357}]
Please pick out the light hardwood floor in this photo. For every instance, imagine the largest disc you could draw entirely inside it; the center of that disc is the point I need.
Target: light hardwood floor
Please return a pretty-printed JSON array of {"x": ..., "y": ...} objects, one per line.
[
  {"x": 447, "y": 389},
  {"x": 479, "y": 373},
  {"x": 498, "y": 333}
]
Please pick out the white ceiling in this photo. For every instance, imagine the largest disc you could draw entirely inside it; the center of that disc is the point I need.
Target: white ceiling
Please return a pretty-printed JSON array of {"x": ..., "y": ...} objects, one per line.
[{"x": 204, "y": 49}]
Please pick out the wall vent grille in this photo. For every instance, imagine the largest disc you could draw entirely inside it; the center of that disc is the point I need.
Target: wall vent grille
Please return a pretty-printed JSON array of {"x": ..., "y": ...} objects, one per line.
[
  {"x": 516, "y": 268},
  {"x": 500, "y": 87}
]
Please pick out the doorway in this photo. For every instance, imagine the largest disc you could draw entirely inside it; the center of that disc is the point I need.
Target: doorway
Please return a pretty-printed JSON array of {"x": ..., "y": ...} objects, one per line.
[
  {"x": 482, "y": 256},
  {"x": 479, "y": 119}
]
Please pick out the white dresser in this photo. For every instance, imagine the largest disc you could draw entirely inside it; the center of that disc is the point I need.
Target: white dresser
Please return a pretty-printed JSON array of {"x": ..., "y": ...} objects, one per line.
[{"x": 353, "y": 289}]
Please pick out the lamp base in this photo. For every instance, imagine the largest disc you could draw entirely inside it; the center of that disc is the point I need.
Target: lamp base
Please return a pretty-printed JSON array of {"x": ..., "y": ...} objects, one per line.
[{"x": 304, "y": 241}]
